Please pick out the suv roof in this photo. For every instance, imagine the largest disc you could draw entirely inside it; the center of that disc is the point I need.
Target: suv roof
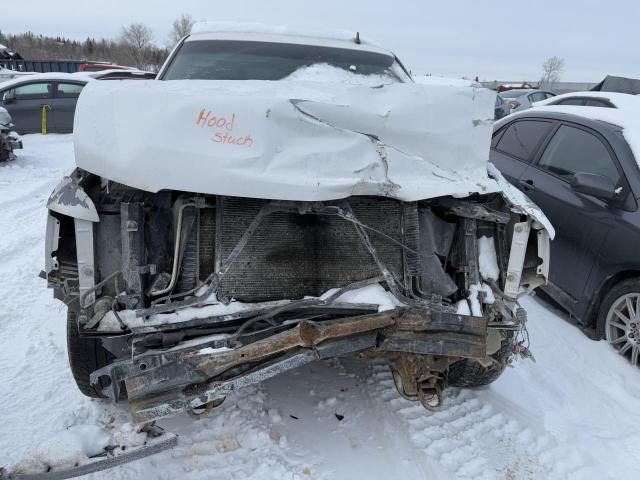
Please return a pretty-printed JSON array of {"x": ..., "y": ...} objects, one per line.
[{"x": 277, "y": 34}]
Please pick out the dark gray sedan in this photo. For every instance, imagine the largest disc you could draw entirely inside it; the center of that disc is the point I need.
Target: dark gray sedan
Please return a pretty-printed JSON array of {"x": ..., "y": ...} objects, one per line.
[
  {"x": 56, "y": 93},
  {"x": 578, "y": 165}
]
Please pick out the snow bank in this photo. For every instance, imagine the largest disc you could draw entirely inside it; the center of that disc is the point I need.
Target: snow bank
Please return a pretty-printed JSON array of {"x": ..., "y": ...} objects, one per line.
[
  {"x": 287, "y": 140},
  {"x": 67, "y": 449}
]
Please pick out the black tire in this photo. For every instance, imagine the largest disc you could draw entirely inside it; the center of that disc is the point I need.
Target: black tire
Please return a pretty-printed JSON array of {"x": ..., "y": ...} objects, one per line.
[
  {"x": 4, "y": 153},
  {"x": 85, "y": 356},
  {"x": 469, "y": 373},
  {"x": 631, "y": 285}
]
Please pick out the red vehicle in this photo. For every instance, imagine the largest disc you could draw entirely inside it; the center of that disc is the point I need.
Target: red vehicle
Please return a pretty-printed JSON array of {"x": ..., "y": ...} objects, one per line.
[{"x": 98, "y": 66}]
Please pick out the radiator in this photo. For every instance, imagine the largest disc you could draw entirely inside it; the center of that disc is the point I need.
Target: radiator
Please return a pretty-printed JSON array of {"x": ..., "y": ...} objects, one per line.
[{"x": 292, "y": 255}]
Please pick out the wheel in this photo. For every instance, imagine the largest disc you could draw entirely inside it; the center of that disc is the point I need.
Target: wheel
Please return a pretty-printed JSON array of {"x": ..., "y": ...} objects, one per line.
[
  {"x": 85, "y": 356},
  {"x": 4, "y": 153},
  {"x": 619, "y": 319},
  {"x": 469, "y": 373}
]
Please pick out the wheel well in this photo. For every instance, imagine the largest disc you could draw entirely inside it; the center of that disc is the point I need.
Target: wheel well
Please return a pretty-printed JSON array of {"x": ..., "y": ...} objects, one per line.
[{"x": 601, "y": 292}]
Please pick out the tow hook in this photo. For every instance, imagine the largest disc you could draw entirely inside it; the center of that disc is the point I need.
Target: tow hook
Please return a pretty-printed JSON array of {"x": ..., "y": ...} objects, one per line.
[
  {"x": 416, "y": 382},
  {"x": 430, "y": 393}
]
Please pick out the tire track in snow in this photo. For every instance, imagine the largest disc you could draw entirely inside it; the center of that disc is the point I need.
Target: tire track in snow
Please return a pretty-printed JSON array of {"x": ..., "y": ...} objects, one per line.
[{"x": 477, "y": 435}]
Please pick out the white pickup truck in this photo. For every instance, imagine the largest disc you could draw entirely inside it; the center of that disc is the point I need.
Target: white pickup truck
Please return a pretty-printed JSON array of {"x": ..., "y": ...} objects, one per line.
[{"x": 279, "y": 197}]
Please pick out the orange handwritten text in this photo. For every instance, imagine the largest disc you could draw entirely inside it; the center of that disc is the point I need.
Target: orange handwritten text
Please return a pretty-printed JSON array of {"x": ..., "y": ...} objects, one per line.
[
  {"x": 223, "y": 127},
  {"x": 226, "y": 138},
  {"x": 214, "y": 121}
]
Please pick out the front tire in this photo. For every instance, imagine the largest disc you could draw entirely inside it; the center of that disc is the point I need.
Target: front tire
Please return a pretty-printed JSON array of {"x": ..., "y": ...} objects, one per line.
[
  {"x": 469, "y": 373},
  {"x": 85, "y": 356},
  {"x": 619, "y": 319}
]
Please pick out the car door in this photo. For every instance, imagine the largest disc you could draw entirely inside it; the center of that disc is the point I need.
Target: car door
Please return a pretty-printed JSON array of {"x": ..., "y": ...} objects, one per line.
[
  {"x": 514, "y": 145},
  {"x": 581, "y": 221},
  {"x": 24, "y": 103},
  {"x": 63, "y": 105}
]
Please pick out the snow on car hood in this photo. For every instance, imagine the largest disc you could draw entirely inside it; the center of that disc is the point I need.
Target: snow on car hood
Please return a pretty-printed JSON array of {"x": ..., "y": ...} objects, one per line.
[{"x": 287, "y": 140}]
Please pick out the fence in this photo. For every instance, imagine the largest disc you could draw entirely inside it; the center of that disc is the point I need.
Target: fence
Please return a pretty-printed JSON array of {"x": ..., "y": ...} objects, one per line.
[{"x": 42, "y": 66}]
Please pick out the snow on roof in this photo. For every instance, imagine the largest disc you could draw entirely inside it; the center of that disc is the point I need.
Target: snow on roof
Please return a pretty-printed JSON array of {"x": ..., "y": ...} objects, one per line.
[
  {"x": 45, "y": 76},
  {"x": 3, "y": 47},
  {"x": 99, "y": 73},
  {"x": 451, "y": 82},
  {"x": 620, "y": 100},
  {"x": 628, "y": 118},
  {"x": 323, "y": 72},
  {"x": 279, "y": 33}
]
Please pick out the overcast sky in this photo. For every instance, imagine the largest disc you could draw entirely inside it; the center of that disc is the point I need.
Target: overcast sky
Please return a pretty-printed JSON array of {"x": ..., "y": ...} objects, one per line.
[{"x": 492, "y": 39}]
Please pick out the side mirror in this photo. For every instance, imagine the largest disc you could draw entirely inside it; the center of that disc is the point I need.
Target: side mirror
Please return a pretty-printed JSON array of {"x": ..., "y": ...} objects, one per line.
[
  {"x": 9, "y": 97},
  {"x": 591, "y": 184}
]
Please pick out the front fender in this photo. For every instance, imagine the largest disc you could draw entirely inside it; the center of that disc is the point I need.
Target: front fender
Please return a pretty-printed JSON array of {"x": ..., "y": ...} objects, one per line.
[{"x": 69, "y": 199}]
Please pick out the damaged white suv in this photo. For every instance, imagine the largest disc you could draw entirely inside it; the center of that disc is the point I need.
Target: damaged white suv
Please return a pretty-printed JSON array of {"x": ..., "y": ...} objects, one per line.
[{"x": 280, "y": 197}]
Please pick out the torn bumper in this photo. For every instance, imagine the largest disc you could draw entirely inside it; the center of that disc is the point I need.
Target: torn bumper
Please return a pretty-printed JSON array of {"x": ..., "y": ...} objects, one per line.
[
  {"x": 162, "y": 384},
  {"x": 15, "y": 142}
]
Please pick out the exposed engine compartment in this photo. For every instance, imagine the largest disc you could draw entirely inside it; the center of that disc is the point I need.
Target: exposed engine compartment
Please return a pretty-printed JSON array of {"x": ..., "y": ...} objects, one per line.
[{"x": 195, "y": 295}]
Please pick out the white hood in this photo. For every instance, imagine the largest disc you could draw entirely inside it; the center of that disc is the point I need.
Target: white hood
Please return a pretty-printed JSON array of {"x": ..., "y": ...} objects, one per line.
[{"x": 287, "y": 140}]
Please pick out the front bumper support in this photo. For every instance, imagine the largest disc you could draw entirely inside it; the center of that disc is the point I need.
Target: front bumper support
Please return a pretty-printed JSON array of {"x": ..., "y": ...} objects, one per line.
[{"x": 164, "y": 383}]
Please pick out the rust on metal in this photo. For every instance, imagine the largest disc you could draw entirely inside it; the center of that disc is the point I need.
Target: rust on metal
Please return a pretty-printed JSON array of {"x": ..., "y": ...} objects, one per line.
[{"x": 305, "y": 334}]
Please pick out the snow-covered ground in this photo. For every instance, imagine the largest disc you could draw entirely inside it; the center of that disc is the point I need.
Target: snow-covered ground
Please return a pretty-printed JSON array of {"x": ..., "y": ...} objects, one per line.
[{"x": 575, "y": 413}]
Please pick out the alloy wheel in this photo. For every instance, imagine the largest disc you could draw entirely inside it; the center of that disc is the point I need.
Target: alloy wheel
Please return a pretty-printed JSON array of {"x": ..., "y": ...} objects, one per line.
[{"x": 622, "y": 326}]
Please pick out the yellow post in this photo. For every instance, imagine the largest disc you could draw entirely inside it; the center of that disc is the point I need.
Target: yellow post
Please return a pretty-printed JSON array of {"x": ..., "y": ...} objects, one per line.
[{"x": 44, "y": 118}]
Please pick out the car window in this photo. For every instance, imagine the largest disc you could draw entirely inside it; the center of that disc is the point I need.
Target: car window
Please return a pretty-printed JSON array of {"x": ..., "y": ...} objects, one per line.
[
  {"x": 573, "y": 150},
  {"x": 69, "y": 90},
  {"x": 521, "y": 138},
  {"x": 548, "y": 95},
  {"x": 499, "y": 100},
  {"x": 536, "y": 97},
  {"x": 513, "y": 93},
  {"x": 33, "y": 91},
  {"x": 496, "y": 137},
  {"x": 597, "y": 102},
  {"x": 571, "y": 101}
]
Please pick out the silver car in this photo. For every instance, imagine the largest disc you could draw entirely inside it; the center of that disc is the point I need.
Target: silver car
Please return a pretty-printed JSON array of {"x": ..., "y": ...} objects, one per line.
[{"x": 521, "y": 99}]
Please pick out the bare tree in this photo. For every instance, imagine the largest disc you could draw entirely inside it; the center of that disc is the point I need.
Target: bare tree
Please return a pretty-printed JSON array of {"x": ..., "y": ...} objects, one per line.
[
  {"x": 39, "y": 47},
  {"x": 552, "y": 68},
  {"x": 181, "y": 28},
  {"x": 137, "y": 39}
]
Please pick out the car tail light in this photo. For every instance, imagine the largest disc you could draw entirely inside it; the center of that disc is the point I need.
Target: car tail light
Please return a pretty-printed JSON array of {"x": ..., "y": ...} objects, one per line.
[{"x": 513, "y": 104}]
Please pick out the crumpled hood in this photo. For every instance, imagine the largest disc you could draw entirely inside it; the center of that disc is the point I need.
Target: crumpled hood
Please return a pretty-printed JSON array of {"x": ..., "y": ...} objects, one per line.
[{"x": 287, "y": 140}]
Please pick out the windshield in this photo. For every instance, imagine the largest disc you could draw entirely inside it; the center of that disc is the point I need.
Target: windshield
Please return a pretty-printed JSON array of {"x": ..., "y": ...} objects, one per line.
[
  {"x": 514, "y": 93},
  {"x": 245, "y": 60}
]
